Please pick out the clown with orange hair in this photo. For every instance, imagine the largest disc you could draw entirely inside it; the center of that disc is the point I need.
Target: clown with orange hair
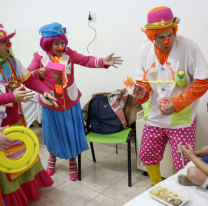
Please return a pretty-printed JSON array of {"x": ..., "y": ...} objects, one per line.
[{"x": 171, "y": 68}]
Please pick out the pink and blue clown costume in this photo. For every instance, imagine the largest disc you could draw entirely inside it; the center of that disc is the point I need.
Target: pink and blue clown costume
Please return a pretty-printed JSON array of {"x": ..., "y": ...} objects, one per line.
[
  {"x": 158, "y": 71},
  {"x": 63, "y": 127},
  {"x": 12, "y": 73}
]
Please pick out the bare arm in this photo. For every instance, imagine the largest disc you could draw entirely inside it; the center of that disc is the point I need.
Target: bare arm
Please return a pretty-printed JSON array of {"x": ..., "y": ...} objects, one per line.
[
  {"x": 202, "y": 152},
  {"x": 189, "y": 153},
  {"x": 203, "y": 166}
]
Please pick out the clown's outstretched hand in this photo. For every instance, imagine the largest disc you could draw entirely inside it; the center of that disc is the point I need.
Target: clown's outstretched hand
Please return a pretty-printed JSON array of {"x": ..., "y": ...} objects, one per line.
[{"x": 111, "y": 61}]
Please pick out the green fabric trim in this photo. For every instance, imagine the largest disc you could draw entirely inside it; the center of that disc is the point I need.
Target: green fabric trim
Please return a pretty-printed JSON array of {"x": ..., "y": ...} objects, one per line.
[
  {"x": 5, "y": 65},
  {"x": 2, "y": 60},
  {"x": 11, "y": 52},
  {"x": 182, "y": 117},
  {"x": 181, "y": 82},
  {"x": 119, "y": 137},
  {"x": 8, "y": 186},
  {"x": 147, "y": 110}
]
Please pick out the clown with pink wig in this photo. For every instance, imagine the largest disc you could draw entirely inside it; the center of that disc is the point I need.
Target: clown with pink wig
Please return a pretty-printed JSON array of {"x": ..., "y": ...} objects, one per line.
[
  {"x": 25, "y": 185},
  {"x": 171, "y": 68},
  {"x": 63, "y": 127}
]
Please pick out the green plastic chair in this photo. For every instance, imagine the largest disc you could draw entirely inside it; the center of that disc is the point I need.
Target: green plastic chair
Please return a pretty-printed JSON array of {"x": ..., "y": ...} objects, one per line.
[{"x": 116, "y": 138}]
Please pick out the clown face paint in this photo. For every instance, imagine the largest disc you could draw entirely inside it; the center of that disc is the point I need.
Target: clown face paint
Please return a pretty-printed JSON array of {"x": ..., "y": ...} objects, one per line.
[
  {"x": 56, "y": 48},
  {"x": 4, "y": 49},
  {"x": 162, "y": 39}
]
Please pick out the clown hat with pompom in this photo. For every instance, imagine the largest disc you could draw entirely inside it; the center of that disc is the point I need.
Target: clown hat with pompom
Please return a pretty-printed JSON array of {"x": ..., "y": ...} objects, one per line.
[
  {"x": 160, "y": 17},
  {"x": 4, "y": 35}
]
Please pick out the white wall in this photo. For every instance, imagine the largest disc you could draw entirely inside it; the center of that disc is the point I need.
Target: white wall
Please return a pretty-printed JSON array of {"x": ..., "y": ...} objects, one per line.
[{"x": 118, "y": 30}]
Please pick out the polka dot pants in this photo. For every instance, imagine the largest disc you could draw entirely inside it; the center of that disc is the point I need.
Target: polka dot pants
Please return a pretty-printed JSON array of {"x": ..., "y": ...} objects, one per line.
[{"x": 154, "y": 140}]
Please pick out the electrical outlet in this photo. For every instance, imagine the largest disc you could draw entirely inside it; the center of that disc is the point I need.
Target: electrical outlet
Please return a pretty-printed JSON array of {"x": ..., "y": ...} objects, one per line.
[{"x": 93, "y": 17}]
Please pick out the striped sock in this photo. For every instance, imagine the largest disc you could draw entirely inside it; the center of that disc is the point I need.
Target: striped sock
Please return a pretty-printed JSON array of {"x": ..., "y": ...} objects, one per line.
[
  {"x": 51, "y": 164},
  {"x": 73, "y": 169},
  {"x": 72, "y": 165}
]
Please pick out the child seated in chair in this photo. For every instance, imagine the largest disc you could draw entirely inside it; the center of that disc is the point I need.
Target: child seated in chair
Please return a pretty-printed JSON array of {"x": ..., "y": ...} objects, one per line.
[{"x": 196, "y": 175}]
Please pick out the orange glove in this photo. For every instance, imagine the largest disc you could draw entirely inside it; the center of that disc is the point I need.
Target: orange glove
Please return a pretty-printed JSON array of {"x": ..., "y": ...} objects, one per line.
[
  {"x": 148, "y": 88},
  {"x": 197, "y": 90}
]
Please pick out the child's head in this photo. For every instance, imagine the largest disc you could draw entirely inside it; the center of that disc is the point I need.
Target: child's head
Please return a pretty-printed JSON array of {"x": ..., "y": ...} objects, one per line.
[{"x": 53, "y": 40}]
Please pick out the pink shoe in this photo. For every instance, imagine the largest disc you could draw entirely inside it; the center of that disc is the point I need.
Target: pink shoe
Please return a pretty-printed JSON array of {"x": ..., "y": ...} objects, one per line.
[
  {"x": 50, "y": 171},
  {"x": 73, "y": 176}
]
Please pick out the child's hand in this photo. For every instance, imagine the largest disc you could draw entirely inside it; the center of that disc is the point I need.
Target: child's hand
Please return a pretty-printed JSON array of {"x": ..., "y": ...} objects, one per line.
[
  {"x": 111, "y": 61},
  {"x": 5, "y": 142},
  {"x": 188, "y": 151}
]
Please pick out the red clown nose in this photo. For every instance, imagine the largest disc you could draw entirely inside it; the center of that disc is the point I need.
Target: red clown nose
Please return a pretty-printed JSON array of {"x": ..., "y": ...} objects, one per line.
[
  {"x": 61, "y": 48},
  {"x": 9, "y": 44},
  {"x": 166, "y": 42}
]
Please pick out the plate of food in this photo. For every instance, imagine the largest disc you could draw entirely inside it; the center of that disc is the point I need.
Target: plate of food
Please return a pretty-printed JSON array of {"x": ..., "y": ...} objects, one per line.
[{"x": 168, "y": 196}]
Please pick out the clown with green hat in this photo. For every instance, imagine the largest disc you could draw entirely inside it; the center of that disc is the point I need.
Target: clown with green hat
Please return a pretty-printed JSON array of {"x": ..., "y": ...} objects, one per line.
[{"x": 170, "y": 68}]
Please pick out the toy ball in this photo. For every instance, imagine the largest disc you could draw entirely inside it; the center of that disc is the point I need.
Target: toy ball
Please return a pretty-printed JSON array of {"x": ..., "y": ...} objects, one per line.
[
  {"x": 181, "y": 73},
  {"x": 164, "y": 104}
]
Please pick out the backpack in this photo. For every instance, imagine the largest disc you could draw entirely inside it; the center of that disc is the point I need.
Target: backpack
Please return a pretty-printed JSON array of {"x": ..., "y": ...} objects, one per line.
[{"x": 101, "y": 117}]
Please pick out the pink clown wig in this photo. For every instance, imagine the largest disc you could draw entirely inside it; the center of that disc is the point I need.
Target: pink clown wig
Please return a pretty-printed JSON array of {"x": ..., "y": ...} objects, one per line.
[{"x": 46, "y": 42}]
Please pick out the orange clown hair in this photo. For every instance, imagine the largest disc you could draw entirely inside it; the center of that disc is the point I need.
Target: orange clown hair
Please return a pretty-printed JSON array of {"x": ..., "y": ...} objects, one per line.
[{"x": 151, "y": 33}]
